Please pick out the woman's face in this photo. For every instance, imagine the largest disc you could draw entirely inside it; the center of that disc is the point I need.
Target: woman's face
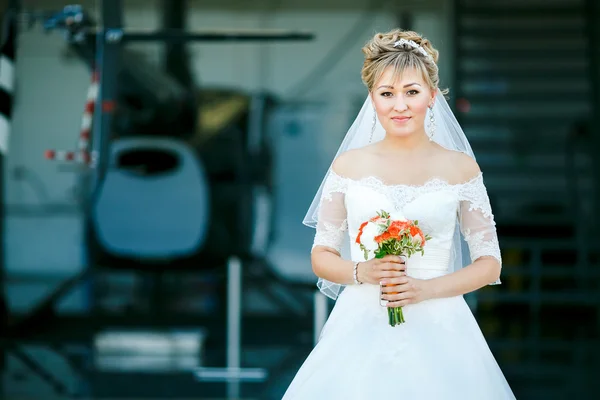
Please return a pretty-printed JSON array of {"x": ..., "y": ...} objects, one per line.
[{"x": 401, "y": 102}]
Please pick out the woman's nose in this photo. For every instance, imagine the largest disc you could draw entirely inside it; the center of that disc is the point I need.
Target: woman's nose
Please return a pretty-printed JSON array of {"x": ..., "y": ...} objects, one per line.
[{"x": 400, "y": 105}]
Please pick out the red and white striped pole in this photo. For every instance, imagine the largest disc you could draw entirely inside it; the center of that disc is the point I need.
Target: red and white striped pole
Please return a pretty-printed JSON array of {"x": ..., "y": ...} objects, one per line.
[{"x": 82, "y": 154}]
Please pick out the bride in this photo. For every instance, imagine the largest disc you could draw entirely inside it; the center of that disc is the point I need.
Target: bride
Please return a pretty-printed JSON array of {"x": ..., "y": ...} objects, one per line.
[{"x": 405, "y": 153}]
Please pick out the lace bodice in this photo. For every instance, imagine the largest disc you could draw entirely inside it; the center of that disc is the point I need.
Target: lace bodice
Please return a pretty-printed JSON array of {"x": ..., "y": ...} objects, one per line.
[{"x": 346, "y": 203}]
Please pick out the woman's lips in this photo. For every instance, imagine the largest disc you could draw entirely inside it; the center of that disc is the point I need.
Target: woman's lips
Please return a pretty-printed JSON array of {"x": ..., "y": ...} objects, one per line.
[{"x": 400, "y": 120}]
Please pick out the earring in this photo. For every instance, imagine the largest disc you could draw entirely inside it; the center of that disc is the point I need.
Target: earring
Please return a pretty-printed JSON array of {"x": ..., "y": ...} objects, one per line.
[
  {"x": 431, "y": 124},
  {"x": 373, "y": 125}
]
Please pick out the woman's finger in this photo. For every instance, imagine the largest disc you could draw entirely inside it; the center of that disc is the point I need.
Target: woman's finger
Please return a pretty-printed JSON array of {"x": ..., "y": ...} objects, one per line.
[
  {"x": 403, "y": 288},
  {"x": 399, "y": 288},
  {"x": 397, "y": 296},
  {"x": 394, "y": 285},
  {"x": 394, "y": 281},
  {"x": 392, "y": 267},
  {"x": 400, "y": 303},
  {"x": 393, "y": 259},
  {"x": 382, "y": 275}
]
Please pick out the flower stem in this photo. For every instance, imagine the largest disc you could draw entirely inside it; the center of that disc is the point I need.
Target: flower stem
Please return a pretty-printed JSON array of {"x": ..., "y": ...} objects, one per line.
[
  {"x": 395, "y": 316},
  {"x": 400, "y": 317}
]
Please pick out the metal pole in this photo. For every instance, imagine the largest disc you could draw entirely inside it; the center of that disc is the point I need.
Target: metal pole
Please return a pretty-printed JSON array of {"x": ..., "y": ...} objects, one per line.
[
  {"x": 8, "y": 39},
  {"x": 108, "y": 49},
  {"x": 234, "y": 322},
  {"x": 177, "y": 63},
  {"x": 233, "y": 374},
  {"x": 180, "y": 36},
  {"x": 107, "y": 67},
  {"x": 320, "y": 304}
]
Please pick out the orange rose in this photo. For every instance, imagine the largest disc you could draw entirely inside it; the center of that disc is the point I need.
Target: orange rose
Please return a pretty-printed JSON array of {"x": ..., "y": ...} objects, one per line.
[
  {"x": 383, "y": 237},
  {"x": 394, "y": 232},
  {"x": 396, "y": 228},
  {"x": 360, "y": 231},
  {"x": 377, "y": 219},
  {"x": 400, "y": 224},
  {"x": 415, "y": 232}
]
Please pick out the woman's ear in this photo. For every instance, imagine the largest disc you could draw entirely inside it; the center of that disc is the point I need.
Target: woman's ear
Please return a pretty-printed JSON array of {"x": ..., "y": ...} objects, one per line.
[{"x": 433, "y": 94}]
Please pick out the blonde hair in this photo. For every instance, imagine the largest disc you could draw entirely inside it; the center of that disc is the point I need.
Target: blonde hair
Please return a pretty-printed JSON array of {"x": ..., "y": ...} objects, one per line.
[{"x": 380, "y": 53}]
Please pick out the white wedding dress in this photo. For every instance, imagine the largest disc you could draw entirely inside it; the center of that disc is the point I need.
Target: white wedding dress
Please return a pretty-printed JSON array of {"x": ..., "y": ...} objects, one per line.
[{"x": 439, "y": 353}]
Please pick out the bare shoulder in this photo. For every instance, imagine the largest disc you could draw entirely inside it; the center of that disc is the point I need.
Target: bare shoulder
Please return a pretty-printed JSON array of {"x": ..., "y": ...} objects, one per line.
[
  {"x": 466, "y": 166},
  {"x": 459, "y": 166},
  {"x": 349, "y": 164}
]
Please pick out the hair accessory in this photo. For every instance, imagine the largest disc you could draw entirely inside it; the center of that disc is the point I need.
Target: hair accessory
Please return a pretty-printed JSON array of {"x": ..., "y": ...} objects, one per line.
[{"x": 414, "y": 45}]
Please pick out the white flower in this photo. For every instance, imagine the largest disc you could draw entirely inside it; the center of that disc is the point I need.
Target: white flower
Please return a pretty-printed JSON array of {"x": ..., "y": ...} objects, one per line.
[
  {"x": 417, "y": 238},
  {"x": 396, "y": 216},
  {"x": 368, "y": 236}
]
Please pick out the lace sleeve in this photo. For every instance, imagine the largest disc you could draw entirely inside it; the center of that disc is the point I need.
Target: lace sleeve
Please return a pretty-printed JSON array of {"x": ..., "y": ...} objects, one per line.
[
  {"x": 477, "y": 221},
  {"x": 332, "y": 223}
]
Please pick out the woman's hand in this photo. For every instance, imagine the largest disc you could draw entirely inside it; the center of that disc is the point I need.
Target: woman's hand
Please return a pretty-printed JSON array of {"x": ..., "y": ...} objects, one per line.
[
  {"x": 405, "y": 290},
  {"x": 376, "y": 270}
]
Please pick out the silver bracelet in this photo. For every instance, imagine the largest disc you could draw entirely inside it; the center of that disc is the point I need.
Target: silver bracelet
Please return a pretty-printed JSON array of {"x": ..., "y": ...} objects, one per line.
[{"x": 356, "y": 281}]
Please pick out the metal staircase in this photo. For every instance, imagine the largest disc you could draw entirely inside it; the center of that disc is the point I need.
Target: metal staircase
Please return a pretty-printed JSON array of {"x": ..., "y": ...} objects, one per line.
[{"x": 525, "y": 91}]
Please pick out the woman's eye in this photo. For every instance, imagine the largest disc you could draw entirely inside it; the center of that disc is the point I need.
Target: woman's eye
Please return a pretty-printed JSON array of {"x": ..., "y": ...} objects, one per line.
[
  {"x": 386, "y": 94},
  {"x": 413, "y": 92}
]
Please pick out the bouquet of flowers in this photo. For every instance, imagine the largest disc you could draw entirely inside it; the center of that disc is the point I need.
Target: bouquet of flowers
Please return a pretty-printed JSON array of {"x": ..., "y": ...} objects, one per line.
[{"x": 391, "y": 234}]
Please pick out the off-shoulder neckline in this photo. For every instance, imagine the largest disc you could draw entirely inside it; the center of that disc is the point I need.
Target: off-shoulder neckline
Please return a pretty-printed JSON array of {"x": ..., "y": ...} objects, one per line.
[{"x": 433, "y": 181}]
